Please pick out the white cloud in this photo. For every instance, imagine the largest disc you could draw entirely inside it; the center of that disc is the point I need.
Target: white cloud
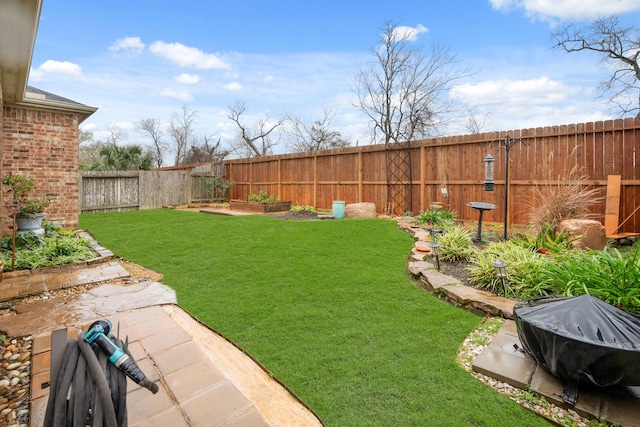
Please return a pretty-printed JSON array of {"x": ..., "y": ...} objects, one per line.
[
  {"x": 128, "y": 44},
  {"x": 233, "y": 87},
  {"x": 409, "y": 33},
  {"x": 61, "y": 68},
  {"x": 186, "y": 56},
  {"x": 521, "y": 104},
  {"x": 540, "y": 91},
  {"x": 567, "y": 9},
  {"x": 188, "y": 79},
  {"x": 182, "y": 95},
  {"x": 268, "y": 78}
]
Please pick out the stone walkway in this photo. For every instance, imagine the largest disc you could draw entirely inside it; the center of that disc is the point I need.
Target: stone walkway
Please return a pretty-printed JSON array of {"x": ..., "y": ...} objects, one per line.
[
  {"x": 500, "y": 359},
  {"x": 204, "y": 379}
]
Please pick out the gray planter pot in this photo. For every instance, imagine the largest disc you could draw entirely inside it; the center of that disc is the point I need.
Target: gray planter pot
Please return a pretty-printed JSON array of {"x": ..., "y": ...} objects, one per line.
[{"x": 33, "y": 222}]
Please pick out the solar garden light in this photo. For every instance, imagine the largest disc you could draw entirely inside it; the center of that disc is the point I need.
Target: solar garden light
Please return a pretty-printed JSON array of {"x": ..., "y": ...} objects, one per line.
[
  {"x": 501, "y": 273},
  {"x": 435, "y": 250}
]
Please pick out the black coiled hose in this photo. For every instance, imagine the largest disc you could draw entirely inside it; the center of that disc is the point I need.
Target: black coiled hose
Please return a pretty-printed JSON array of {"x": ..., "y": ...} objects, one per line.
[{"x": 88, "y": 390}]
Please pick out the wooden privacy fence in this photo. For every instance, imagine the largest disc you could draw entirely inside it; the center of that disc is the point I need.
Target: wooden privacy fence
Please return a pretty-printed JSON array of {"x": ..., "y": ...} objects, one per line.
[{"x": 540, "y": 156}]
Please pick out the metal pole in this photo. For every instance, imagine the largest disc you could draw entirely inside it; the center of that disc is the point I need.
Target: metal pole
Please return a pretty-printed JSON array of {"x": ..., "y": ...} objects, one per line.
[{"x": 506, "y": 185}]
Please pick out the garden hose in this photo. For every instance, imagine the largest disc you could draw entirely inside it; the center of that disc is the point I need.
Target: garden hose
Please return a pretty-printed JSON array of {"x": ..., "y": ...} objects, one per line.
[{"x": 88, "y": 390}]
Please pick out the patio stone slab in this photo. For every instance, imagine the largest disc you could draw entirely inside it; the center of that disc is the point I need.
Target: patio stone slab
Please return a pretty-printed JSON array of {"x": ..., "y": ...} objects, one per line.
[{"x": 504, "y": 367}]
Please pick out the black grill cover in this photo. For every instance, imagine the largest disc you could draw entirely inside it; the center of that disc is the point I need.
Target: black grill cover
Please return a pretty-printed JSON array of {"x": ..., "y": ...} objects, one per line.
[{"x": 581, "y": 339}]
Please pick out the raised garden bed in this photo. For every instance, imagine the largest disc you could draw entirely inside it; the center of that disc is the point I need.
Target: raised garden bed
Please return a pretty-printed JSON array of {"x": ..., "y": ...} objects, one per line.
[{"x": 259, "y": 207}]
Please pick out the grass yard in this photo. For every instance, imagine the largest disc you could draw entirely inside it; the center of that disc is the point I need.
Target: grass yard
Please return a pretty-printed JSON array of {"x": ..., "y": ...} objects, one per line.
[{"x": 326, "y": 306}]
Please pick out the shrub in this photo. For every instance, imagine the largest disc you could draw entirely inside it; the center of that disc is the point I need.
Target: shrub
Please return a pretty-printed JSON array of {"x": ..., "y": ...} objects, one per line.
[
  {"x": 456, "y": 245},
  {"x": 570, "y": 196},
  {"x": 523, "y": 271},
  {"x": 609, "y": 275}
]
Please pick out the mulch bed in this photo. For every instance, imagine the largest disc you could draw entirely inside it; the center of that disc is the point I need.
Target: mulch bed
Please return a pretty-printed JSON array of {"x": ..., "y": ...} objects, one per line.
[{"x": 294, "y": 216}]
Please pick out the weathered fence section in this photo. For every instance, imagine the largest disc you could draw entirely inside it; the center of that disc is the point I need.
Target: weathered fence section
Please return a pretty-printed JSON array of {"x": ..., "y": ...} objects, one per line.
[
  {"x": 115, "y": 191},
  {"x": 539, "y": 156}
]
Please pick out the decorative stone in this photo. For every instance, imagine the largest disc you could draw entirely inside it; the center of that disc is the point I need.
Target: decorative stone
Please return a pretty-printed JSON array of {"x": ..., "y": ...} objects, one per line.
[
  {"x": 360, "y": 210},
  {"x": 589, "y": 234}
]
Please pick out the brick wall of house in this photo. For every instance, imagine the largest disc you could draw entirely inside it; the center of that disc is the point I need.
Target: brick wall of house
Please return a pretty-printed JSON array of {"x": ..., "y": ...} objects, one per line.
[{"x": 42, "y": 145}]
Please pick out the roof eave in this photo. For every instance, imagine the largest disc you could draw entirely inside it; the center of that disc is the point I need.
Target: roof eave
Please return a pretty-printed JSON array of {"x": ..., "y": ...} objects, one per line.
[
  {"x": 19, "y": 25},
  {"x": 83, "y": 111}
]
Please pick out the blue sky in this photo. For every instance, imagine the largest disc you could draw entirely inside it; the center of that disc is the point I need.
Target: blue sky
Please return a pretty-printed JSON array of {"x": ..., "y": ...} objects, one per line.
[{"x": 147, "y": 59}]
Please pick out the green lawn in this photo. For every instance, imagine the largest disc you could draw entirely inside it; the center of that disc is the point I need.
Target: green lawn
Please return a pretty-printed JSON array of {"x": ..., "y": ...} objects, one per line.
[{"x": 326, "y": 306}]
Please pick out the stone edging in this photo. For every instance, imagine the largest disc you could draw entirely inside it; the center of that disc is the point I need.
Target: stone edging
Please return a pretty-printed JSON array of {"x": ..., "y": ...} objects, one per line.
[{"x": 472, "y": 299}]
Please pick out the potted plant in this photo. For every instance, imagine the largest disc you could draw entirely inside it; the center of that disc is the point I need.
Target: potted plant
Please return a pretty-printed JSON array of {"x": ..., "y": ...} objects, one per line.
[{"x": 30, "y": 211}]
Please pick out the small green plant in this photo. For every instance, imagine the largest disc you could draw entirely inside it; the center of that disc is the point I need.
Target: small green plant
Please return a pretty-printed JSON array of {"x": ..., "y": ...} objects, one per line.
[
  {"x": 523, "y": 271},
  {"x": 456, "y": 245},
  {"x": 262, "y": 197},
  {"x": 23, "y": 241},
  {"x": 437, "y": 217},
  {"x": 21, "y": 186},
  {"x": 546, "y": 239},
  {"x": 302, "y": 208}
]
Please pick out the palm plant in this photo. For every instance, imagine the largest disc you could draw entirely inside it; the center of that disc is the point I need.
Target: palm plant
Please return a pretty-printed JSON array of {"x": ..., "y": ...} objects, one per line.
[{"x": 128, "y": 157}]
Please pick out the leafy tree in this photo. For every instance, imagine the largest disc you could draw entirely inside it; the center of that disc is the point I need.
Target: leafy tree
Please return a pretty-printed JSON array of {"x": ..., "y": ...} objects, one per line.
[
  {"x": 619, "y": 48},
  {"x": 403, "y": 92},
  {"x": 88, "y": 150},
  {"x": 85, "y": 136},
  {"x": 255, "y": 142}
]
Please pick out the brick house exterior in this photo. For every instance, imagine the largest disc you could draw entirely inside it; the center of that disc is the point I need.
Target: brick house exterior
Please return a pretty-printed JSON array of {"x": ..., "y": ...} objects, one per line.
[{"x": 38, "y": 130}]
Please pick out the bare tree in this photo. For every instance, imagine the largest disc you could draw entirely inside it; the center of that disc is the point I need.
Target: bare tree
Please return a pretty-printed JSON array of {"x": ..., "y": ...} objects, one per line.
[
  {"x": 153, "y": 129},
  {"x": 115, "y": 134},
  {"x": 318, "y": 135},
  {"x": 403, "y": 92},
  {"x": 181, "y": 129},
  {"x": 259, "y": 141},
  {"x": 207, "y": 151},
  {"x": 476, "y": 121},
  {"x": 619, "y": 48}
]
